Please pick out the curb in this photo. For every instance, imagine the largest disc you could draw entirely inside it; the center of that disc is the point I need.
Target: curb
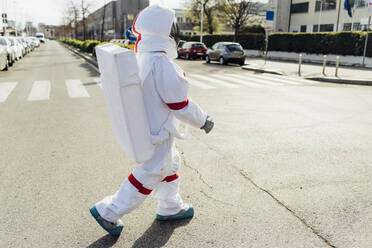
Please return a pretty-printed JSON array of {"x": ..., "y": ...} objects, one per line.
[
  {"x": 341, "y": 80},
  {"x": 262, "y": 70},
  {"x": 88, "y": 58}
]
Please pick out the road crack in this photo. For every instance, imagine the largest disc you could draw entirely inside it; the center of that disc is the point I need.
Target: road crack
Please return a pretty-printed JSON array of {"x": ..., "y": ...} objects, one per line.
[
  {"x": 195, "y": 170},
  {"x": 217, "y": 200},
  {"x": 316, "y": 232}
]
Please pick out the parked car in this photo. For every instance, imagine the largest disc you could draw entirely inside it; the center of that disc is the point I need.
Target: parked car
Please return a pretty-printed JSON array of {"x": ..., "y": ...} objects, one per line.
[
  {"x": 35, "y": 41},
  {"x": 30, "y": 43},
  {"x": 226, "y": 52},
  {"x": 40, "y": 37},
  {"x": 192, "y": 50},
  {"x": 4, "y": 42},
  {"x": 121, "y": 41},
  {"x": 17, "y": 47},
  {"x": 3, "y": 58},
  {"x": 180, "y": 43},
  {"x": 24, "y": 44}
]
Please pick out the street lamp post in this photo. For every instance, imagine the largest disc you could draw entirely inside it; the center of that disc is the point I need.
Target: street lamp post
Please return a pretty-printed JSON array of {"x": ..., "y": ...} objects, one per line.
[
  {"x": 320, "y": 14},
  {"x": 201, "y": 23},
  {"x": 366, "y": 42}
]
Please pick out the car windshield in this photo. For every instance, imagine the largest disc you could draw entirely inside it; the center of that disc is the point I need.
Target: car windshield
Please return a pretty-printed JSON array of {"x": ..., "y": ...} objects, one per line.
[
  {"x": 39, "y": 36},
  {"x": 198, "y": 45},
  {"x": 234, "y": 47}
]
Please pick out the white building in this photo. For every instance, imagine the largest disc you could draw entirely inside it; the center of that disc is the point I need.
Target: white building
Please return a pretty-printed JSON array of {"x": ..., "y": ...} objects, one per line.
[
  {"x": 305, "y": 16},
  {"x": 185, "y": 23}
]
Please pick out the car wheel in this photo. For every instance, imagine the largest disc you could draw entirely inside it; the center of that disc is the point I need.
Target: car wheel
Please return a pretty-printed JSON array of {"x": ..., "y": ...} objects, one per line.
[
  {"x": 6, "y": 65},
  {"x": 187, "y": 56},
  {"x": 223, "y": 61},
  {"x": 207, "y": 59},
  {"x": 242, "y": 63}
]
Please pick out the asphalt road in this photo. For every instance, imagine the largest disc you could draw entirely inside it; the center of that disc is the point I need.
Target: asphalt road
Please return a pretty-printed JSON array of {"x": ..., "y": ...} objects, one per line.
[{"x": 287, "y": 165}]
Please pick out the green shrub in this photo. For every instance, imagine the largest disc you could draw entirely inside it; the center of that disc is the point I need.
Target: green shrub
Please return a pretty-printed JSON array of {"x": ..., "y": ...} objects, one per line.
[{"x": 88, "y": 45}]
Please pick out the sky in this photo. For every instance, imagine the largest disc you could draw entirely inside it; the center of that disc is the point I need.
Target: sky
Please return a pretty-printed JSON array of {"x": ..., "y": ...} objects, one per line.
[{"x": 51, "y": 11}]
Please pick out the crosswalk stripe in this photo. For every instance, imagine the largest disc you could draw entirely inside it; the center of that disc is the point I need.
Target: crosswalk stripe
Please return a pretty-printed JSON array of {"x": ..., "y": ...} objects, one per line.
[
  {"x": 6, "y": 89},
  {"x": 239, "y": 81},
  {"x": 214, "y": 81},
  {"x": 248, "y": 78},
  {"x": 284, "y": 81},
  {"x": 40, "y": 91},
  {"x": 199, "y": 84},
  {"x": 76, "y": 89}
]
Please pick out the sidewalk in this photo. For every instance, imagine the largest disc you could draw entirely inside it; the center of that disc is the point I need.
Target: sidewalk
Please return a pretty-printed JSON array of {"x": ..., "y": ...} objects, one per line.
[{"x": 346, "y": 75}]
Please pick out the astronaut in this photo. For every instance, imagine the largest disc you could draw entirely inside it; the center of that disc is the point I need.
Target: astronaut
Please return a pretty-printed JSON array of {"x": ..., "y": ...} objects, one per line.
[{"x": 165, "y": 88}]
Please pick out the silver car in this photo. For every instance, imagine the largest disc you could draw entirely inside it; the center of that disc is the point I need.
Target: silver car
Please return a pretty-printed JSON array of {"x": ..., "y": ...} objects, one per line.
[{"x": 226, "y": 52}]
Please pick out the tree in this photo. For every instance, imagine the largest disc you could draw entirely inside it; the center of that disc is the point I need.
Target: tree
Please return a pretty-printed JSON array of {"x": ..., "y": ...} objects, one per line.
[
  {"x": 72, "y": 14},
  {"x": 84, "y": 7},
  {"x": 103, "y": 21},
  {"x": 211, "y": 21},
  {"x": 238, "y": 12}
]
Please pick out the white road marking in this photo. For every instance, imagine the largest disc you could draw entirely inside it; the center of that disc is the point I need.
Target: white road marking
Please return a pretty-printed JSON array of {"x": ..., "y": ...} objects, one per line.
[
  {"x": 251, "y": 79},
  {"x": 214, "y": 81},
  {"x": 239, "y": 81},
  {"x": 284, "y": 80},
  {"x": 40, "y": 91},
  {"x": 6, "y": 89},
  {"x": 76, "y": 89},
  {"x": 199, "y": 84}
]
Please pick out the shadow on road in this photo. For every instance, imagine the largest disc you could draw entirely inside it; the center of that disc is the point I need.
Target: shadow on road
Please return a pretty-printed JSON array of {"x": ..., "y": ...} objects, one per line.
[
  {"x": 104, "y": 242},
  {"x": 158, "y": 234}
]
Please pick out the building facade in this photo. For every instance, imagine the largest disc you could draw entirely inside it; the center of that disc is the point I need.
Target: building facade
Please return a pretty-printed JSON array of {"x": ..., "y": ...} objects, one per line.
[
  {"x": 117, "y": 15},
  {"x": 185, "y": 24},
  {"x": 305, "y": 16}
]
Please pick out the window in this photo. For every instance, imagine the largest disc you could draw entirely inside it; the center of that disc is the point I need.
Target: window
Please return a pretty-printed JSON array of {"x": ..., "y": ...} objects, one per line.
[
  {"x": 347, "y": 26},
  {"x": 300, "y": 8},
  {"x": 303, "y": 28},
  {"x": 327, "y": 5},
  {"x": 198, "y": 45},
  {"x": 324, "y": 28}
]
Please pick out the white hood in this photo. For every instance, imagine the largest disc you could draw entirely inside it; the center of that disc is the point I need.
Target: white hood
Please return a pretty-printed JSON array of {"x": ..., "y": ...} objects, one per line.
[{"x": 153, "y": 26}]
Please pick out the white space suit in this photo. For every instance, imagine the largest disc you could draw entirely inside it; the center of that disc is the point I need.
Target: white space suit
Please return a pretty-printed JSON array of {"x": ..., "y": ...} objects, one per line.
[{"x": 165, "y": 88}]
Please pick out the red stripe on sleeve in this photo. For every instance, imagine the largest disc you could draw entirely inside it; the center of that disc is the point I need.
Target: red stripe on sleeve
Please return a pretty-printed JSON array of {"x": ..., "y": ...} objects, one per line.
[
  {"x": 171, "y": 178},
  {"x": 138, "y": 185},
  {"x": 178, "y": 105}
]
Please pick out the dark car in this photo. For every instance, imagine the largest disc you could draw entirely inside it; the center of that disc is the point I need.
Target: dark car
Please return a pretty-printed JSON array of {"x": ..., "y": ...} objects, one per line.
[
  {"x": 191, "y": 50},
  {"x": 226, "y": 52}
]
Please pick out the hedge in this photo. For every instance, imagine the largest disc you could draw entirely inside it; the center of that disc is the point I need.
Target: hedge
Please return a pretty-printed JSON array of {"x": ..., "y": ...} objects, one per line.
[
  {"x": 87, "y": 46},
  {"x": 340, "y": 43}
]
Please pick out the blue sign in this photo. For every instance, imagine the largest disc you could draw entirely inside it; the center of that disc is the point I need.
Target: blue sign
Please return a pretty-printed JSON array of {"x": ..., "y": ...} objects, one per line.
[
  {"x": 269, "y": 15},
  {"x": 130, "y": 35}
]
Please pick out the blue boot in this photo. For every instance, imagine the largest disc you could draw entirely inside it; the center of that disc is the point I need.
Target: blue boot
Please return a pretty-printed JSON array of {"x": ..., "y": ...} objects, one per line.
[
  {"x": 185, "y": 213},
  {"x": 112, "y": 228}
]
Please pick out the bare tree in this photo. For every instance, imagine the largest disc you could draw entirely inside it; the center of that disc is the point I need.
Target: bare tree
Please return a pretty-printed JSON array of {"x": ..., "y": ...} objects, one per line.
[
  {"x": 85, "y": 6},
  {"x": 103, "y": 21},
  {"x": 209, "y": 7},
  {"x": 238, "y": 12},
  {"x": 73, "y": 13}
]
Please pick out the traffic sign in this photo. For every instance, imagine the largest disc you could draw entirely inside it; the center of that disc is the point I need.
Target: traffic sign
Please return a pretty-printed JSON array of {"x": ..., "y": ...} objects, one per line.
[
  {"x": 130, "y": 35},
  {"x": 269, "y": 15}
]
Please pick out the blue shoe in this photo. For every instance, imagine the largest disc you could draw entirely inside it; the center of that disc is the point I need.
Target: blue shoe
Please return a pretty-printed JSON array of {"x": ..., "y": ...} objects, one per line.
[
  {"x": 185, "y": 213},
  {"x": 112, "y": 228}
]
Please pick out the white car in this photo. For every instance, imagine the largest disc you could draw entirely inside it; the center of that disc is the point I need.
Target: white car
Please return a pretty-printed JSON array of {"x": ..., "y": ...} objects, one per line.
[
  {"x": 40, "y": 37},
  {"x": 16, "y": 46},
  {"x": 35, "y": 41}
]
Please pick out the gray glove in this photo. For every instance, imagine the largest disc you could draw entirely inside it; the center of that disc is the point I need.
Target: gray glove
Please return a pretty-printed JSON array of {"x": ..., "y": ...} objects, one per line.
[{"x": 208, "y": 126}]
